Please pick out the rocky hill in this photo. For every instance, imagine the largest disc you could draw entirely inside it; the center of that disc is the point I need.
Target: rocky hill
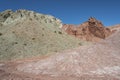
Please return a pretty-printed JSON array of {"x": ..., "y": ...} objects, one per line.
[
  {"x": 26, "y": 33},
  {"x": 91, "y": 30},
  {"x": 100, "y": 61}
]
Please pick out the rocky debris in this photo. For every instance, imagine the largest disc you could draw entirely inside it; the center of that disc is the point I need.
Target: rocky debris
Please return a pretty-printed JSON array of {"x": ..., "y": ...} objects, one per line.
[
  {"x": 92, "y": 30},
  {"x": 9, "y": 17}
]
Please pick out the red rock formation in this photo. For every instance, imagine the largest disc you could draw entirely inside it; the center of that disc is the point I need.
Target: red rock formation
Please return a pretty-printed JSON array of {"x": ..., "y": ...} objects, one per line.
[{"x": 92, "y": 30}]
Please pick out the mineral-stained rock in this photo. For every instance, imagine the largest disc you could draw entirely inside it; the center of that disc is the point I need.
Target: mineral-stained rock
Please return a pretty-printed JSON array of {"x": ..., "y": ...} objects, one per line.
[{"x": 91, "y": 30}]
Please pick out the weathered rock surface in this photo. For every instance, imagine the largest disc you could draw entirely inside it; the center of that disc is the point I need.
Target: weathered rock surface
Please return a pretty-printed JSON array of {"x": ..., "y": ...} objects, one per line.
[
  {"x": 92, "y": 30},
  {"x": 9, "y": 16},
  {"x": 115, "y": 27}
]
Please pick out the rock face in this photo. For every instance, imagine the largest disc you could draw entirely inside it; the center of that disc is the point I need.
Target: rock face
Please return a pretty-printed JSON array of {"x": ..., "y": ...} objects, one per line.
[{"x": 92, "y": 30}]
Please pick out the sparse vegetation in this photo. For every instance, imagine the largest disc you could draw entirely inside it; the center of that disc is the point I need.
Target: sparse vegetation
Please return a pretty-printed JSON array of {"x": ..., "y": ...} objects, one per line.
[
  {"x": 0, "y": 34},
  {"x": 80, "y": 44},
  {"x": 1, "y": 24},
  {"x": 15, "y": 42},
  {"x": 42, "y": 34},
  {"x": 28, "y": 41},
  {"x": 59, "y": 32},
  {"x": 13, "y": 31},
  {"x": 30, "y": 19},
  {"x": 55, "y": 32},
  {"x": 33, "y": 38},
  {"x": 25, "y": 44},
  {"x": 42, "y": 17}
]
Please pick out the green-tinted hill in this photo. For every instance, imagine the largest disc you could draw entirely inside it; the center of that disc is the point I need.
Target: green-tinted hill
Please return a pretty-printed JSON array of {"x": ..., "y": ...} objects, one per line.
[{"x": 26, "y": 34}]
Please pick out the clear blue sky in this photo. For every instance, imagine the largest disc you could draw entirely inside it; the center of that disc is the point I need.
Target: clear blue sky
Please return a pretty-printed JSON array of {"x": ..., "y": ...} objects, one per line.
[{"x": 70, "y": 11}]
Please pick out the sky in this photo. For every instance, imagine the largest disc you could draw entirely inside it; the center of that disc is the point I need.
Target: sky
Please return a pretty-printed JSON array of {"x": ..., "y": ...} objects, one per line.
[{"x": 70, "y": 11}]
